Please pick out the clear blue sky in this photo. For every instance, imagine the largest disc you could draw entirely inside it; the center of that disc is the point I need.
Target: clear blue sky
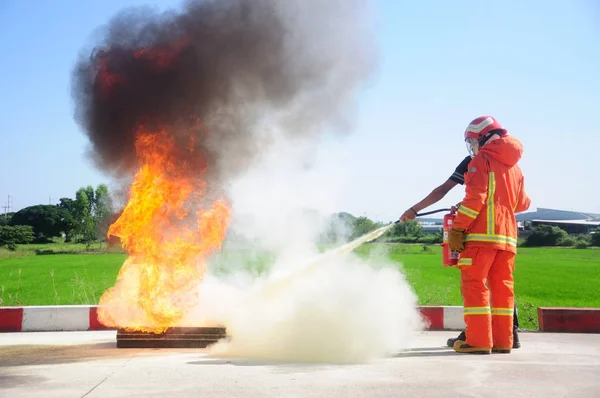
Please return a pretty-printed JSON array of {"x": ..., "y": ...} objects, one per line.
[{"x": 535, "y": 65}]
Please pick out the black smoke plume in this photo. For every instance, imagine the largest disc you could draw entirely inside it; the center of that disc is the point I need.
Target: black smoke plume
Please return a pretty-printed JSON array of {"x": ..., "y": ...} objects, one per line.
[{"x": 235, "y": 72}]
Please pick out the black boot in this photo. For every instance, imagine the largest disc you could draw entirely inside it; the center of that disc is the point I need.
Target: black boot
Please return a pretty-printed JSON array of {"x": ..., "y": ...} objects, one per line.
[
  {"x": 516, "y": 343},
  {"x": 462, "y": 336}
]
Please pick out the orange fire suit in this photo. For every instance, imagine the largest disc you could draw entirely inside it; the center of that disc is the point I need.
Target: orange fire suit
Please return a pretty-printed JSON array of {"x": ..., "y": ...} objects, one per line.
[{"x": 494, "y": 192}]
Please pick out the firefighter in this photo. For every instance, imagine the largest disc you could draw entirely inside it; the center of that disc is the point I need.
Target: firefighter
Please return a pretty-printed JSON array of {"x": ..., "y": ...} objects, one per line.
[
  {"x": 485, "y": 233},
  {"x": 437, "y": 194}
]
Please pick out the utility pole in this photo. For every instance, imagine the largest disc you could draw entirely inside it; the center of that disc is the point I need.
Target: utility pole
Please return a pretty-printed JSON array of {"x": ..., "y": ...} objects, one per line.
[{"x": 7, "y": 207}]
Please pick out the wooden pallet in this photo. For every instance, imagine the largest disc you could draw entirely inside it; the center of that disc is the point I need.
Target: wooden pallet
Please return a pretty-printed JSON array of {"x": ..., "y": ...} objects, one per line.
[{"x": 174, "y": 337}]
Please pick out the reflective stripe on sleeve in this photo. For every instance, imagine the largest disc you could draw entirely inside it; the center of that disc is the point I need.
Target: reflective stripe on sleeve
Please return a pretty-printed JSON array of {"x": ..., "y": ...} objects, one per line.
[
  {"x": 468, "y": 212},
  {"x": 491, "y": 219}
]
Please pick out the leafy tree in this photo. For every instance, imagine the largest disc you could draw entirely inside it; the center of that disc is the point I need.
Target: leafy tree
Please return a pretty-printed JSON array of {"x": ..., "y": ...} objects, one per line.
[
  {"x": 102, "y": 210},
  {"x": 338, "y": 228},
  {"x": 409, "y": 228},
  {"x": 362, "y": 226},
  {"x": 89, "y": 192},
  {"x": 5, "y": 218},
  {"x": 47, "y": 221},
  {"x": 85, "y": 226},
  {"x": 13, "y": 235},
  {"x": 91, "y": 210},
  {"x": 343, "y": 217},
  {"x": 81, "y": 207},
  {"x": 69, "y": 205}
]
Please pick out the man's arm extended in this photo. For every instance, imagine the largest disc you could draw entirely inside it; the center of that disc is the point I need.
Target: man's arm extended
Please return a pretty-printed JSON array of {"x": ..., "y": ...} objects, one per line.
[
  {"x": 434, "y": 196},
  {"x": 440, "y": 191}
]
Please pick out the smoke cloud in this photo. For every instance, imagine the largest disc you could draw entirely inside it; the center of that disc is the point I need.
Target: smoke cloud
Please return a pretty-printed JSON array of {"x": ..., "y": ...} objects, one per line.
[{"x": 232, "y": 73}]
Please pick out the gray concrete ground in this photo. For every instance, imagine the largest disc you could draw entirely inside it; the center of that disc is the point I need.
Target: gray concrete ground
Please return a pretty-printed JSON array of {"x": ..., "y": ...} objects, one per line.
[{"x": 87, "y": 364}]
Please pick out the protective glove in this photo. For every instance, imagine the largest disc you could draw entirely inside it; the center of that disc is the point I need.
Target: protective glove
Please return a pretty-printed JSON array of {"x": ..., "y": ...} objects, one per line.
[{"x": 455, "y": 239}]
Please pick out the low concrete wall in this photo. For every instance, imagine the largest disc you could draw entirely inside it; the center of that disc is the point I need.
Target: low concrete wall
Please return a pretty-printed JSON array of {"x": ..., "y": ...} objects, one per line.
[{"x": 85, "y": 317}]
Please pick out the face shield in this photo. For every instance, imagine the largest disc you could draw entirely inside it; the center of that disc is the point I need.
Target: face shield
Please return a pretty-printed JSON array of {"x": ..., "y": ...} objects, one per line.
[{"x": 472, "y": 146}]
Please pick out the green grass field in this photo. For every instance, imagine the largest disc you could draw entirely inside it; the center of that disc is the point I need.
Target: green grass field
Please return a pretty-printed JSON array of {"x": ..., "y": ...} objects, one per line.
[
  {"x": 560, "y": 277},
  {"x": 544, "y": 277}
]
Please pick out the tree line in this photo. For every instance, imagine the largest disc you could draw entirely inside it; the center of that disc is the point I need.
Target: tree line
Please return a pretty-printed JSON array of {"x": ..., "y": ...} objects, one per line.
[
  {"x": 84, "y": 219},
  {"x": 87, "y": 217}
]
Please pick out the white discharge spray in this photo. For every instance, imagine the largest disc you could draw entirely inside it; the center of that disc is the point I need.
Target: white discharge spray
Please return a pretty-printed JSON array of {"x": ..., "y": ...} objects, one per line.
[
  {"x": 333, "y": 307},
  {"x": 282, "y": 282}
]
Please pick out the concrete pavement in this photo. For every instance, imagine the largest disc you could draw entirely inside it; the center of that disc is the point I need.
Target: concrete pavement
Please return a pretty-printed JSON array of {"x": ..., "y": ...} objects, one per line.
[{"x": 87, "y": 364}]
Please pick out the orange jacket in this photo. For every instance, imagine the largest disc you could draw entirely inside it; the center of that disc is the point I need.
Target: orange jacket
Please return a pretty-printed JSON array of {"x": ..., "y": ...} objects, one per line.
[{"x": 494, "y": 192}]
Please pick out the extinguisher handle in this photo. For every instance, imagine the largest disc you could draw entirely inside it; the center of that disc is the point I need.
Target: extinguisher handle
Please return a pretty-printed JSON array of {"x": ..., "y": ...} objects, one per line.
[{"x": 454, "y": 208}]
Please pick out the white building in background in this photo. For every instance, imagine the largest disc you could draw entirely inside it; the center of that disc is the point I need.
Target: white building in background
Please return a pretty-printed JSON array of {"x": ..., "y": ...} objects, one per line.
[{"x": 574, "y": 222}]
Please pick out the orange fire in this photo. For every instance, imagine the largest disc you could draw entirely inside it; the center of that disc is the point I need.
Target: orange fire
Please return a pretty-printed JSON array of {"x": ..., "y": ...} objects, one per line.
[{"x": 167, "y": 239}]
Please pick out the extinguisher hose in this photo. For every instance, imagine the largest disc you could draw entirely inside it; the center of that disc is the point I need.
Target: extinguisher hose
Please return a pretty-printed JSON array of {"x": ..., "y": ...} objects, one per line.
[
  {"x": 432, "y": 212},
  {"x": 427, "y": 213}
]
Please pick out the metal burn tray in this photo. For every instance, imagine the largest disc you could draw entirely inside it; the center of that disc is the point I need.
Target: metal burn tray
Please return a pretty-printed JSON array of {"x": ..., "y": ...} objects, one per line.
[{"x": 173, "y": 337}]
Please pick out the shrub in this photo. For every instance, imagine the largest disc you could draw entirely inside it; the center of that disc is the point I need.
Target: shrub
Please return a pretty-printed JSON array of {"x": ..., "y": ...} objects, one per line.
[
  {"x": 12, "y": 235},
  {"x": 581, "y": 240},
  {"x": 545, "y": 235},
  {"x": 568, "y": 241},
  {"x": 595, "y": 238},
  {"x": 408, "y": 239},
  {"x": 581, "y": 244},
  {"x": 430, "y": 239}
]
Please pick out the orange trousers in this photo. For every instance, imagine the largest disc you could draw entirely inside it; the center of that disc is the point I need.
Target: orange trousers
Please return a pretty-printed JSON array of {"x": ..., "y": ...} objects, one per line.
[{"x": 488, "y": 325}]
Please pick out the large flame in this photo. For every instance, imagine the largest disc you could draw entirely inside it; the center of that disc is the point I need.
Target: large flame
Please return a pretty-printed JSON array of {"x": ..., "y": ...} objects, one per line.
[{"x": 167, "y": 238}]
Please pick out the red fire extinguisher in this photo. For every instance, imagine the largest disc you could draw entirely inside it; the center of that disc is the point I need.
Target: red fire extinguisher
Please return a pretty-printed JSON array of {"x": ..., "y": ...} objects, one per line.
[{"x": 450, "y": 258}]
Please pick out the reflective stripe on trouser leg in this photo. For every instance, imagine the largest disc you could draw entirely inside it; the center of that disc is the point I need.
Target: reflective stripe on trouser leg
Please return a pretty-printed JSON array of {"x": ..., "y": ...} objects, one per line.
[
  {"x": 477, "y": 312},
  {"x": 502, "y": 311},
  {"x": 503, "y": 300}
]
